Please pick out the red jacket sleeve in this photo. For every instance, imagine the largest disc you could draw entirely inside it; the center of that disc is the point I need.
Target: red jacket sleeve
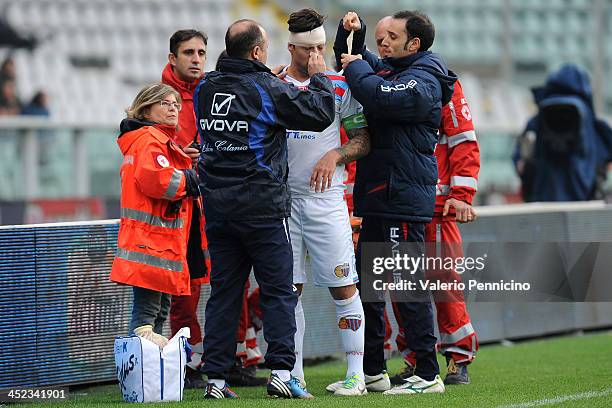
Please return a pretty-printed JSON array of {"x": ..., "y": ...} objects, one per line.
[
  {"x": 463, "y": 150},
  {"x": 350, "y": 169},
  {"x": 154, "y": 174}
]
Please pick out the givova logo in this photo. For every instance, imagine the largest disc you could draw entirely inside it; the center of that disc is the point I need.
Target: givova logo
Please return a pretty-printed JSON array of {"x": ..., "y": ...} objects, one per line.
[
  {"x": 220, "y": 107},
  {"x": 221, "y": 104}
]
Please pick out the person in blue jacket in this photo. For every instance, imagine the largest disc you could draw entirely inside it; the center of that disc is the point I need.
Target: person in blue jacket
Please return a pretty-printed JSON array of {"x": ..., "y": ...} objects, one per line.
[
  {"x": 395, "y": 184},
  {"x": 243, "y": 112},
  {"x": 564, "y": 151}
]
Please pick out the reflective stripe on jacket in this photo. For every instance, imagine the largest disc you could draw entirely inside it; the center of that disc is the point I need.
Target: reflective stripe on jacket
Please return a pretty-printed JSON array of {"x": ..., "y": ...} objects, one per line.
[{"x": 457, "y": 153}]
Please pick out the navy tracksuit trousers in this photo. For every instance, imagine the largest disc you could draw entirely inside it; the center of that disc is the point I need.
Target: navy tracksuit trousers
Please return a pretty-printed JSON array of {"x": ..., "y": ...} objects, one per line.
[
  {"x": 418, "y": 316},
  {"x": 236, "y": 247}
]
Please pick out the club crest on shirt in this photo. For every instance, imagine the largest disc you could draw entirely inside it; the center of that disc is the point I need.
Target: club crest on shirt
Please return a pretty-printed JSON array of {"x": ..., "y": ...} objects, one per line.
[
  {"x": 342, "y": 271},
  {"x": 352, "y": 322}
]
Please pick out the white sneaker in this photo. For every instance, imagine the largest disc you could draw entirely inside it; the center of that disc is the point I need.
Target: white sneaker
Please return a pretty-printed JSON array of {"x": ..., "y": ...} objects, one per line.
[
  {"x": 333, "y": 387},
  {"x": 417, "y": 385},
  {"x": 352, "y": 386},
  {"x": 378, "y": 383},
  {"x": 373, "y": 383}
]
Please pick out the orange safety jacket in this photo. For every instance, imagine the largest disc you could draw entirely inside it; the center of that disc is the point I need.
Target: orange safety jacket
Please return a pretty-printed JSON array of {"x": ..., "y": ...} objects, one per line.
[{"x": 155, "y": 211}]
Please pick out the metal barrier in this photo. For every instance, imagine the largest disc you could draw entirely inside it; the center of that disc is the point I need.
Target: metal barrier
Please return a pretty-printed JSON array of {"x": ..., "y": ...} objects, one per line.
[{"x": 60, "y": 313}]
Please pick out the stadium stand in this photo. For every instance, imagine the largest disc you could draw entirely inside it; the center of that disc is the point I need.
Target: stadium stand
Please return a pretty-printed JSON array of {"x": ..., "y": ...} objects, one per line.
[{"x": 94, "y": 54}]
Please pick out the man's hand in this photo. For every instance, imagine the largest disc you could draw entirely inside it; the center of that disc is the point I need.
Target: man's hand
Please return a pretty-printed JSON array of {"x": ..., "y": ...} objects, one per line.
[
  {"x": 347, "y": 59},
  {"x": 463, "y": 211},
  {"x": 520, "y": 167},
  {"x": 192, "y": 152},
  {"x": 278, "y": 71},
  {"x": 351, "y": 22},
  {"x": 316, "y": 64},
  {"x": 323, "y": 171}
]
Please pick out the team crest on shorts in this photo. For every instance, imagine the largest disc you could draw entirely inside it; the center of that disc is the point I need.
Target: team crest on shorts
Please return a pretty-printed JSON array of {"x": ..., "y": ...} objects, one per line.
[
  {"x": 342, "y": 271},
  {"x": 350, "y": 322}
]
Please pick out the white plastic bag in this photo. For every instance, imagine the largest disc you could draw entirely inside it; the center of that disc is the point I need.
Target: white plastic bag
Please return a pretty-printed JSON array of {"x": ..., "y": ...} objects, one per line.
[{"x": 148, "y": 374}]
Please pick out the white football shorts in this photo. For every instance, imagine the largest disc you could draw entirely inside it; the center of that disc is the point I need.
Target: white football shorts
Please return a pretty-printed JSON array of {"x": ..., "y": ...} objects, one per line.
[{"x": 320, "y": 227}]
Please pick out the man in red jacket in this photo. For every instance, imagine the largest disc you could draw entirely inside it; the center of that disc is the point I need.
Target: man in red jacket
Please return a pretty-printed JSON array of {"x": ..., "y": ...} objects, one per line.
[{"x": 183, "y": 72}]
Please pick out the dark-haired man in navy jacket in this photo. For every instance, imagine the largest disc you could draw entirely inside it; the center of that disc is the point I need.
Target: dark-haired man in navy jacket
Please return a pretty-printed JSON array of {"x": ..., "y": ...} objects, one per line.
[{"x": 395, "y": 185}]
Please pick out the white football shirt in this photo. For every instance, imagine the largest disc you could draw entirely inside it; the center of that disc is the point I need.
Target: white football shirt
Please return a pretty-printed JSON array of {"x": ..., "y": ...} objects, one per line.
[{"x": 306, "y": 148}]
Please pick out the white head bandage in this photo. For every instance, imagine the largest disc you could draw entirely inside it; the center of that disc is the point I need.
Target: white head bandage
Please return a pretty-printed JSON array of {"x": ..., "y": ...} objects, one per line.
[{"x": 308, "y": 38}]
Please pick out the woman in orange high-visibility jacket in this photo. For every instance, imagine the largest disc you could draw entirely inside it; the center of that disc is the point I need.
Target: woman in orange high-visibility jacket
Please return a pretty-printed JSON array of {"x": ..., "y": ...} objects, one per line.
[{"x": 157, "y": 184}]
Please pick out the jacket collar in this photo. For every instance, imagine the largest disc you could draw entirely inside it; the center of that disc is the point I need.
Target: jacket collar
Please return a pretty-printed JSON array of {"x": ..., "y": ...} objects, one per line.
[
  {"x": 129, "y": 125},
  {"x": 404, "y": 62},
  {"x": 185, "y": 88},
  {"x": 240, "y": 66},
  {"x": 164, "y": 133}
]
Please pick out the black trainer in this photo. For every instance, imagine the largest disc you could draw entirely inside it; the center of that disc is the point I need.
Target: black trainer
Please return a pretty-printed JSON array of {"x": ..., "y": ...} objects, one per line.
[
  {"x": 403, "y": 375},
  {"x": 456, "y": 373},
  {"x": 214, "y": 392},
  {"x": 240, "y": 376},
  {"x": 289, "y": 389},
  {"x": 193, "y": 379}
]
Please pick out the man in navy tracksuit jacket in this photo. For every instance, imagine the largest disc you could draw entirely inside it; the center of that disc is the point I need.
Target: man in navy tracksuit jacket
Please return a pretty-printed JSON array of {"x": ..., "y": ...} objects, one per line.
[
  {"x": 395, "y": 185},
  {"x": 243, "y": 112}
]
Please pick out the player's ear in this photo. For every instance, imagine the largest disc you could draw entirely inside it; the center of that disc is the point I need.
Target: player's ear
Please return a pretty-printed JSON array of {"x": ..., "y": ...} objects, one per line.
[
  {"x": 416, "y": 44},
  {"x": 172, "y": 59},
  {"x": 256, "y": 53}
]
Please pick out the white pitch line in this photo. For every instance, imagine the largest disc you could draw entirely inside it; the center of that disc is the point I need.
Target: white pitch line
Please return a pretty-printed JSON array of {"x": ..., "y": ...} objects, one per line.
[{"x": 560, "y": 399}]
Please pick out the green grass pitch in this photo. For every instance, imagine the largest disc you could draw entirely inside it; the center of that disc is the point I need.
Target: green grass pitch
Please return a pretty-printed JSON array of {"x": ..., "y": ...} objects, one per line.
[{"x": 573, "y": 371}]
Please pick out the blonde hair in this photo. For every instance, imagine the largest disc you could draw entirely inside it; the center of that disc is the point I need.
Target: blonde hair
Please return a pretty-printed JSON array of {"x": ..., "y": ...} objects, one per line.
[{"x": 147, "y": 96}]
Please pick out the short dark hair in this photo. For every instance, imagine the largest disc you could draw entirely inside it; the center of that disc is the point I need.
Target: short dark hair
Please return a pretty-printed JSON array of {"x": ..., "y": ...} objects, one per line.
[
  {"x": 418, "y": 25},
  {"x": 304, "y": 20},
  {"x": 240, "y": 43},
  {"x": 185, "y": 35},
  {"x": 221, "y": 56}
]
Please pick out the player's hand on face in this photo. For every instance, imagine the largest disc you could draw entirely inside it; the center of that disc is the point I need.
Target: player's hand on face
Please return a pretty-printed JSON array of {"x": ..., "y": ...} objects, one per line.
[
  {"x": 316, "y": 64},
  {"x": 463, "y": 211},
  {"x": 323, "y": 171},
  {"x": 350, "y": 21},
  {"x": 347, "y": 59}
]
